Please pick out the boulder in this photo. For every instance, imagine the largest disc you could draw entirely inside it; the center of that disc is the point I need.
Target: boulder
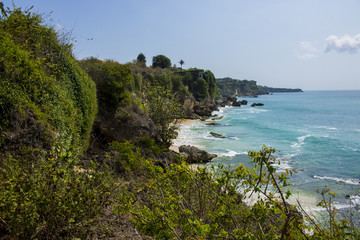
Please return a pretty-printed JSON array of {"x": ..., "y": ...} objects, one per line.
[
  {"x": 217, "y": 118},
  {"x": 257, "y": 104},
  {"x": 217, "y": 135},
  {"x": 204, "y": 108},
  {"x": 194, "y": 155},
  {"x": 236, "y": 104},
  {"x": 231, "y": 98},
  {"x": 212, "y": 124},
  {"x": 244, "y": 102}
]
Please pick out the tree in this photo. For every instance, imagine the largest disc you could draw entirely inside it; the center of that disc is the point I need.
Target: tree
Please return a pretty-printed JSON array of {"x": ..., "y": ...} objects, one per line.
[
  {"x": 163, "y": 109},
  {"x": 141, "y": 60},
  {"x": 161, "y": 61},
  {"x": 111, "y": 80},
  {"x": 181, "y": 62},
  {"x": 2, "y": 10}
]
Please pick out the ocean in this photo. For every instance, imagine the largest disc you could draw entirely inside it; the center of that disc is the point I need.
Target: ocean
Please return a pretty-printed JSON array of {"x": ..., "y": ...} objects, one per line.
[{"x": 317, "y": 133}]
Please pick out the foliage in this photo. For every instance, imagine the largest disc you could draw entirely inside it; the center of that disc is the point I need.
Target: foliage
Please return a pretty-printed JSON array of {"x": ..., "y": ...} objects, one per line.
[
  {"x": 229, "y": 86},
  {"x": 138, "y": 82},
  {"x": 211, "y": 82},
  {"x": 51, "y": 198},
  {"x": 150, "y": 144},
  {"x": 200, "y": 83},
  {"x": 201, "y": 89},
  {"x": 181, "y": 203},
  {"x": 161, "y": 61},
  {"x": 181, "y": 62},
  {"x": 163, "y": 109},
  {"x": 177, "y": 85},
  {"x": 141, "y": 60},
  {"x": 41, "y": 80},
  {"x": 112, "y": 80}
]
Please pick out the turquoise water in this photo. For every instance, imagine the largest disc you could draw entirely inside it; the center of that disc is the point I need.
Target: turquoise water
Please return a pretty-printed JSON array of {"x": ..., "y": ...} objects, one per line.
[{"x": 317, "y": 133}]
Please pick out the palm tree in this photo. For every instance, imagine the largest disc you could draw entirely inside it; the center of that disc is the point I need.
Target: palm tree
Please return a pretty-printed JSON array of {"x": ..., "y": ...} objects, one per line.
[{"x": 181, "y": 62}]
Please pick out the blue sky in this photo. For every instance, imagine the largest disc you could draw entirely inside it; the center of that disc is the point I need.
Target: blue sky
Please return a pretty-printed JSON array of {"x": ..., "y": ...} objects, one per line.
[{"x": 310, "y": 44}]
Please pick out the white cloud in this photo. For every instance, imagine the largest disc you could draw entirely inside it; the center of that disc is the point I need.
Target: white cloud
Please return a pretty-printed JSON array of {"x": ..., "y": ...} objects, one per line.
[
  {"x": 306, "y": 56},
  {"x": 308, "y": 46},
  {"x": 343, "y": 44},
  {"x": 307, "y": 51}
]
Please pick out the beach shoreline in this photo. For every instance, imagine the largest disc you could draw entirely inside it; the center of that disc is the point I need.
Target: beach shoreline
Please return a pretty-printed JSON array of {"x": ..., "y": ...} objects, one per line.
[{"x": 180, "y": 123}]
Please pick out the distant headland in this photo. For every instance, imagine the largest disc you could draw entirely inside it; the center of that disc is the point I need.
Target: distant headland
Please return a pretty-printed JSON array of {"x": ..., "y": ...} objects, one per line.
[{"x": 235, "y": 87}]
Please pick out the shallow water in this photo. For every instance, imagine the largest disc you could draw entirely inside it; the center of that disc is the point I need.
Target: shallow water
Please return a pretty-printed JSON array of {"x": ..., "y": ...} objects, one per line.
[{"x": 317, "y": 133}]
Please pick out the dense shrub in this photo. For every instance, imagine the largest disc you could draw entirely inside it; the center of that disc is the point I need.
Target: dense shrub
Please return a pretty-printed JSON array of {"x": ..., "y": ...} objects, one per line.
[
  {"x": 48, "y": 200},
  {"x": 47, "y": 109},
  {"x": 40, "y": 79},
  {"x": 112, "y": 80}
]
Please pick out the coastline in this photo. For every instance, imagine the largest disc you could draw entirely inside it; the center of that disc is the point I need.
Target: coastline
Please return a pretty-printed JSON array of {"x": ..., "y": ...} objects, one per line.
[{"x": 181, "y": 123}]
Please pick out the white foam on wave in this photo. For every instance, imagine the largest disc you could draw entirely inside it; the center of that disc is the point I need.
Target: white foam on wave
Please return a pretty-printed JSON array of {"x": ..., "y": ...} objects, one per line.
[
  {"x": 229, "y": 153},
  {"x": 355, "y": 200},
  {"x": 350, "y": 181},
  {"x": 301, "y": 141},
  {"x": 326, "y": 127},
  {"x": 282, "y": 166},
  {"x": 256, "y": 110},
  {"x": 208, "y": 136},
  {"x": 187, "y": 135},
  {"x": 284, "y": 162}
]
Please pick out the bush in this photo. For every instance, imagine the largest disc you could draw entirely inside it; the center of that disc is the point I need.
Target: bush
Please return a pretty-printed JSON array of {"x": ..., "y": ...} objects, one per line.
[
  {"x": 40, "y": 80},
  {"x": 112, "y": 80},
  {"x": 209, "y": 204},
  {"x": 51, "y": 198}
]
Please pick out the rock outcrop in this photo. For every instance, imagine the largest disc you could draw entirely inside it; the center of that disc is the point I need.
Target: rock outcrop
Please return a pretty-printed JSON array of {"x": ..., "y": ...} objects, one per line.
[
  {"x": 205, "y": 108},
  {"x": 194, "y": 155},
  {"x": 218, "y": 135},
  {"x": 257, "y": 104},
  {"x": 127, "y": 123},
  {"x": 236, "y": 104}
]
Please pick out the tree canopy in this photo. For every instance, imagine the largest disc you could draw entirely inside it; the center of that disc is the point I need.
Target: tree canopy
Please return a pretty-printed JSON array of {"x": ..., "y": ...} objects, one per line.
[
  {"x": 161, "y": 61},
  {"x": 141, "y": 59}
]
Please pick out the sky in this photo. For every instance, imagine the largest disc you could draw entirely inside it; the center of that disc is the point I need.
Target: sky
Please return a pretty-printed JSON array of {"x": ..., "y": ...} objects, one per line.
[{"x": 308, "y": 44}]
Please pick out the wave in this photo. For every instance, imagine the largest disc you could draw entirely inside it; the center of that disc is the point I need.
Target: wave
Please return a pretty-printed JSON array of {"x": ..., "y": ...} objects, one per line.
[
  {"x": 256, "y": 110},
  {"x": 349, "y": 181},
  {"x": 355, "y": 200},
  {"x": 229, "y": 153},
  {"x": 326, "y": 127},
  {"x": 301, "y": 141},
  {"x": 234, "y": 138}
]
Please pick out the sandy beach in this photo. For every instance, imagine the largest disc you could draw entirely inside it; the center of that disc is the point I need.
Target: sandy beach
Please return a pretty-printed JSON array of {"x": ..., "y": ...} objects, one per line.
[{"x": 181, "y": 122}]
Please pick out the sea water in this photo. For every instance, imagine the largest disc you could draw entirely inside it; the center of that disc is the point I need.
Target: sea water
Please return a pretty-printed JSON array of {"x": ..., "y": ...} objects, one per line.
[{"x": 316, "y": 133}]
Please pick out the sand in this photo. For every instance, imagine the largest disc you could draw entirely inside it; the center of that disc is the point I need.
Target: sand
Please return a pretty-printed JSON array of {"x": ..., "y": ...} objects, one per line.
[{"x": 181, "y": 122}]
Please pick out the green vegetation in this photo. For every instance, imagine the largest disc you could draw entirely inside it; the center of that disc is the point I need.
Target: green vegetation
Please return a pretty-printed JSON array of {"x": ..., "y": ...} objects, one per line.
[
  {"x": 141, "y": 60},
  {"x": 47, "y": 105},
  {"x": 200, "y": 83},
  {"x": 231, "y": 87},
  {"x": 181, "y": 63},
  {"x": 111, "y": 80},
  {"x": 50, "y": 189},
  {"x": 42, "y": 83},
  {"x": 161, "y": 61},
  {"x": 52, "y": 198},
  {"x": 180, "y": 203},
  {"x": 163, "y": 109}
]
